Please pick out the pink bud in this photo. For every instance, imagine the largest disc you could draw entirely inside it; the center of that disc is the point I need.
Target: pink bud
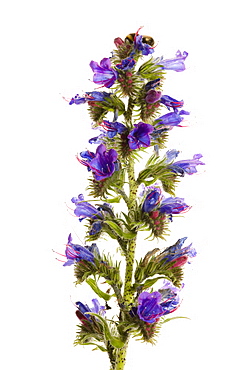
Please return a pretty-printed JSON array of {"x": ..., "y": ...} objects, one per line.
[
  {"x": 154, "y": 214},
  {"x": 118, "y": 42},
  {"x": 180, "y": 261}
]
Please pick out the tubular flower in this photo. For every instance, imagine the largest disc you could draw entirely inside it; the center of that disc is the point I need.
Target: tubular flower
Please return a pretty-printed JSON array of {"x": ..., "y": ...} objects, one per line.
[
  {"x": 178, "y": 254},
  {"x": 170, "y": 297},
  {"x": 171, "y": 102},
  {"x": 152, "y": 200},
  {"x": 126, "y": 64},
  {"x": 151, "y": 306},
  {"x": 76, "y": 253},
  {"x": 113, "y": 128},
  {"x": 84, "y": 209},
  {"x": 89, "y": 96},
  {"x": 103, "y": 73},
  {"x": 139, "y": 45},
  {"x": 173, "y": 206},
  {"x": 139, "y": 136},
  {"x": 187, "y": 166},
  {"x": 175, "y": 64},
  {"x": 84, "y": 308},
  {"x": 152, "y": 84},
  {"x": 102, "y": 163},
  {"x": 171, "y": 119}
]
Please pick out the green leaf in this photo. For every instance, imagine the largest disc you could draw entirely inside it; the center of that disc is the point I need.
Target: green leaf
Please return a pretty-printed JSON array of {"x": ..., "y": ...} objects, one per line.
[
  {"x": 176, "y": 317},
  {"x": 97, "y": 345},
  {"x": 97, "y": 290},
  {"x": 115, "y": 227},
  {"x": 119, "y": 231},
  {"x": 115, "y": 341},
  {"x": 113, "y": 200},
  {"x": 149, "y": 282}
]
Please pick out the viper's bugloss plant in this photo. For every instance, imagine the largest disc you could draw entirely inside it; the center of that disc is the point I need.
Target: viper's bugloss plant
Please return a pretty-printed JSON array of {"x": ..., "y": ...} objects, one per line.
[{"x": 134, "y": 116}]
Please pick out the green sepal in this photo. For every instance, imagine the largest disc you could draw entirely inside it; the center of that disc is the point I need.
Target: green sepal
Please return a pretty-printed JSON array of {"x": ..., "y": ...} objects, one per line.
[
  {"x": 115, "y": 341},
  {"x": 98, "y": 291},
  {"x": 103, "y": 349}
]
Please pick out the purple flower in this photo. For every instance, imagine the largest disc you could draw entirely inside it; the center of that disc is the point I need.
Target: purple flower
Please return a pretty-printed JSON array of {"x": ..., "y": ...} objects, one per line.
[
  {"x": 186, "y": 166},
  {"x": 152, "y": 96},
  {"x": 113, "y": 128},
  {"x": 178, "y": 253},
  {"x": 171, "y": 119},
  {"x": 76, "y": 253},
  {"x": 77, "y": 100},
  {"x": 139, "y": 136},
  {"x": 170, "y": 297},
  {"x": 97, "y": 140},
  {"x": 151, "y": 306},
  {"x": 171, "y": 103},
  {"x": 103, "y": 73},
  {"x": 102, "y": 163},
  {"x": 89, "y": 96},
  {"x": 97, "y": 96},
  {"x": 84, "y": 209},
  {"x": 152, "y": 200},
  {"x": 173, "y": 206},
  {"x": 126, "y": 64},
  {"x": 146, "y": 49},
  {"x": 88, "y": 155},
  {"x": 175, "y": 64},
  {"x": 83, "y": 308},
  {"x": 152, "y": 84}
]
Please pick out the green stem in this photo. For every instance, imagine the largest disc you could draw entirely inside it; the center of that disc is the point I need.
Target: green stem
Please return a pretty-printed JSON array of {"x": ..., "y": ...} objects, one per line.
[{"x": 130, "y": 255}]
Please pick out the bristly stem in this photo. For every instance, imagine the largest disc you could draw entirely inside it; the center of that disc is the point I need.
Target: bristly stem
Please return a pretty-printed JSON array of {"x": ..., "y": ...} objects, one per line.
[{"x": 128, "y": 292}]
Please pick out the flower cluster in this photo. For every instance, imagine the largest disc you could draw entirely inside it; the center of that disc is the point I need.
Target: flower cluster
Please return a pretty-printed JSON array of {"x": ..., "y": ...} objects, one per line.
[{"x": 128, "y": 128}]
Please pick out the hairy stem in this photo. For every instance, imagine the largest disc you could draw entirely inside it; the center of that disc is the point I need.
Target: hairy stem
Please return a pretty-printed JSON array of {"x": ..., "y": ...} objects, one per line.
[{"x": 128, "y": 292}]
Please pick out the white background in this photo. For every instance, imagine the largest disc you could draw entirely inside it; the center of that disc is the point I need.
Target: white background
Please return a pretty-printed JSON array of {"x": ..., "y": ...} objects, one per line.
[{"x": 46, "y": 49}]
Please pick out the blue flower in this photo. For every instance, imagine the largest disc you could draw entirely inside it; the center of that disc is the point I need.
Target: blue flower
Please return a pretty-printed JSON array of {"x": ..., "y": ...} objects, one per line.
[
  {"x": 126, "y": 64},
  {"x": 84, "y": 308},
  {"x": 84, "y": 209},
  {"x": 171, "y": 102},
  {"x": 139, "y": 136},
  {"x": 178, "y": 254},
  {"x": 171, "y": 119},
  {"x": 151, "y": 306},
  {"x": 102, "y": 163},
  {"x": 175, "y": 64},
  {"x": 103, "y": 73},
  {"x": 170, "y": 297},
  {"x": 77, "y": 100},
  {"x": 113, "y": 128},
  {"x": 88, "y": 97},
  {"x": 76, "y": 253},
  {"x": 187, "y": 166},
  {"x": 152, "y": 200},
  {"x": 152, "y": 84},
  {"x": 173, "y": 206},
  {"x": 139, "y": 45}
]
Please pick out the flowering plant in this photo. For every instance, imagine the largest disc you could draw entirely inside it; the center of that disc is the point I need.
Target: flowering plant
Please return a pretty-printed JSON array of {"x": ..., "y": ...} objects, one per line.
[{"x": 130, "y": 119}]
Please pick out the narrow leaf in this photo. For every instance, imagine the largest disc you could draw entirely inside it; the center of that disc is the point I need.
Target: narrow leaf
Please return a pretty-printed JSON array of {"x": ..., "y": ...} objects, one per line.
[{"x": 97, "y": 290}]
